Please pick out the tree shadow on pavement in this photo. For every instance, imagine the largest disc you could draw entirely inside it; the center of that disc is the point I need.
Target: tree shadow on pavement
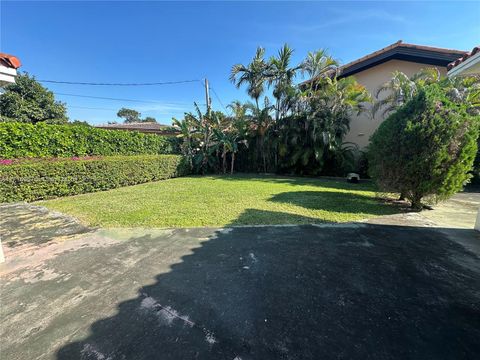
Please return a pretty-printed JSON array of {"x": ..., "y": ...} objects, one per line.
[{"x": 351, "y": 291}]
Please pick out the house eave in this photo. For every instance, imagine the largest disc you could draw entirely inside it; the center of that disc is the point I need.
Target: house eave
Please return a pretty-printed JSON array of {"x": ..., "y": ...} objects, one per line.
[
  {"x": 422, "y": 56},
  {"x": 465, "y": 65}
]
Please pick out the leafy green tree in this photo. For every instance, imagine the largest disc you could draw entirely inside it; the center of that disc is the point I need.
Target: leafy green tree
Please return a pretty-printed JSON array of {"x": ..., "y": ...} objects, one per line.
[
  {"x": 426, "y": 148},
  {"x": 129, "y": 115},
  {"x": 149, "y": 119},
  {"x": 79, "y": 122},
  {"x": 28, "y": 101}
]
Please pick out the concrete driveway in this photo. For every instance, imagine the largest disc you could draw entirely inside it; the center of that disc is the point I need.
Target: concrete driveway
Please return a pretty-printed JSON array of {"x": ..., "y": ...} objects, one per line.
[{"x": 356, "y": 291}]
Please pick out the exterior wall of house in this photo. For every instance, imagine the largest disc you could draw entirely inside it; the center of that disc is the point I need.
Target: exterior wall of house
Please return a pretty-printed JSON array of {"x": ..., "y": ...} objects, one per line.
[
  {"x": 7, "y": 75},
  {"x": 363, "y": 126}
]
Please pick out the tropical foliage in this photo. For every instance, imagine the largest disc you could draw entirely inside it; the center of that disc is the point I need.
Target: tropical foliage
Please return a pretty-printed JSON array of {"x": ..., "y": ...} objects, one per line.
[
  {"x": 401, "y": 88},
  {"x": 209, "y": 139},
  {"x": 288, "y": 127}
]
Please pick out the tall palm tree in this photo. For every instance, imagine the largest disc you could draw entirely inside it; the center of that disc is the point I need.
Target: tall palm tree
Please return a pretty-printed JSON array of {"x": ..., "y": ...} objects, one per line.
[
  {"x": 253, "y": 75},
  {"x": 281, "y": 76},
  {"x": 318, "y": 64},
  {"x": 262, "y": 122}
]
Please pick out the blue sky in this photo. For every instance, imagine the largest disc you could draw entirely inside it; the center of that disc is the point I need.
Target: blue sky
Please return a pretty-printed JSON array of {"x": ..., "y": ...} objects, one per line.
[{"x": 170, "y": 41}]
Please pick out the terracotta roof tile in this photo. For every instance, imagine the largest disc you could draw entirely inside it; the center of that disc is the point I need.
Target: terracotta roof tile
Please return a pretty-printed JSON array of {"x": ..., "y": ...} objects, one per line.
[
  {"x": 10, "y": 61},
  {"x": 474, "y": 51}
]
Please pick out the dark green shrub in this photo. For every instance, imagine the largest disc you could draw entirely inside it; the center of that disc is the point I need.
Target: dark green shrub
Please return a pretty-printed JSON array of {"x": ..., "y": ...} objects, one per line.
[
  {"x": 27, "y": 101},
  {"x": 426, "y": 148},
  {"x": 19, "y": 140},
  {"x": 35, "y": 180}
]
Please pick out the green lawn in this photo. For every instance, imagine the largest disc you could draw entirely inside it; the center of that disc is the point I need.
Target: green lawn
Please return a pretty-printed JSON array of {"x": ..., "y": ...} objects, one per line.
[{"x": 225, "y": 200}]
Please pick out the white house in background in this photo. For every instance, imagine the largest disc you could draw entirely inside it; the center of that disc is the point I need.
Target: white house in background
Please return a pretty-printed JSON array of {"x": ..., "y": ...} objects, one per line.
[
  {"x": 468, "y": 64},
  {"x": 8, "y": 69}
]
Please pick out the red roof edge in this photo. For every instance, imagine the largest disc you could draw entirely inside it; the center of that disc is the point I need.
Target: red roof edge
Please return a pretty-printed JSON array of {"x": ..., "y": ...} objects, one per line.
[
  {"x": 475, "y": 50},
  {"x": 10, "y": 61}
]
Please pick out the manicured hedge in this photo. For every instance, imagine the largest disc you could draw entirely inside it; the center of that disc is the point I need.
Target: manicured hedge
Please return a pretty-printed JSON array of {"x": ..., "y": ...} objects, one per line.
[
  {"x": 37, "y": 180},
  {"x": 18, "y": 140}
]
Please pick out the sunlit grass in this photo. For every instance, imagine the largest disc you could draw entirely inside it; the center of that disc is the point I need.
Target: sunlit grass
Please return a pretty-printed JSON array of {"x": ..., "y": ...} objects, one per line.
[{"x": 225, "y": 200}]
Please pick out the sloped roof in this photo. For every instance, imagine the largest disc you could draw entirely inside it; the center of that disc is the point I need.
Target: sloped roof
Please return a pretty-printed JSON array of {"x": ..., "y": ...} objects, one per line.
[
  {"x": 147, "y": 128},
  {"x": 399, "y": 50},
  {"x": 466, "y": 56},
  {"x": 402, "y": 51},
  {"x": 135, "y": 126},
  {"x": 10, "y": 61}
]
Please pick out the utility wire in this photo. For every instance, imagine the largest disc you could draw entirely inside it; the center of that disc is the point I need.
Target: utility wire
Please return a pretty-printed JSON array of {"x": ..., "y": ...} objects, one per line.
[
  {"x": 118, "y": 84},
  {"x": 91, "y": 108},
  {"x": 218, "y": 98},
  {"x": 108, "y": 98}
]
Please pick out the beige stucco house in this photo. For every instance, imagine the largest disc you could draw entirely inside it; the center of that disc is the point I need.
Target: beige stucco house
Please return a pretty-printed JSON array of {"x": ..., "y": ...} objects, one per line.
[{"x": 376, "y": 68}]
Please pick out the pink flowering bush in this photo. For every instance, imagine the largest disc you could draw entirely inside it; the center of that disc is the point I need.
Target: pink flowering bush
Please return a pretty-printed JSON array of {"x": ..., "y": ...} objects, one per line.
[{"x": 52, "y": 159}]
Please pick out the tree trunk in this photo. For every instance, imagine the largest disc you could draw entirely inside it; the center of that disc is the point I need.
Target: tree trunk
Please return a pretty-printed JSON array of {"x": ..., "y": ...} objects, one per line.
[
  {"x": 258, "y": 153},
  {"x": 233, "y": 161},
  {"x": 416, "y": 202},
  {"x": 263, "y": 156},
  {"x": 224, "y": 163}
]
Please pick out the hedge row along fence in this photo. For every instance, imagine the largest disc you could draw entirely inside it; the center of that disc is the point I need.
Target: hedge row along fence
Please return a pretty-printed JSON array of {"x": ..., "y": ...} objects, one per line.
[
  {"x": 36, "y": 180},
  {"x": 19, "y": 140}
]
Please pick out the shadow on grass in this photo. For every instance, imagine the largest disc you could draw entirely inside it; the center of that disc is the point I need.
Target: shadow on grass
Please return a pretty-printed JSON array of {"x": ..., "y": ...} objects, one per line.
[
  {"x": 337, "y": 202},
  {"x": 298, "y": 292},
  {"x": 300, "y": 181}
]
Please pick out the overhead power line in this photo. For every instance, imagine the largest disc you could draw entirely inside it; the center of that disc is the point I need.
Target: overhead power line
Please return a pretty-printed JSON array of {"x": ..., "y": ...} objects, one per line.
[
  {"x": 108, "y": 98},
  {"x": 118, "y": 84},
  {"x": 218, "y": 98},
  {"x": 91, "y": 108}
]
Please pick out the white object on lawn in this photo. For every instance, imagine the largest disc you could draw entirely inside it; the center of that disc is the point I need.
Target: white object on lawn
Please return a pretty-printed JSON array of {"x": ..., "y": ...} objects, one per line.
[{"x": 353, "y": 177}]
